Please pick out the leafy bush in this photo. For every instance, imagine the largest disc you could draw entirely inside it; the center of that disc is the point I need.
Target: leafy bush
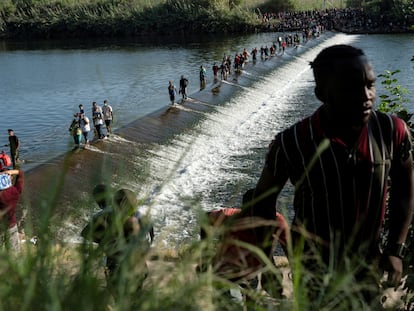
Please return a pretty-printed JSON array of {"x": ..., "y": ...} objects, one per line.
[
  {"x": 395, "y": 99},
  {"x": 394, "y": 102}
]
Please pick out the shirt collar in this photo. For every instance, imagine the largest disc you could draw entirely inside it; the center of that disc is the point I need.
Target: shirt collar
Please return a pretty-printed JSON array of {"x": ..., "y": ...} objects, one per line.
[{"x": 319, "y": 133}]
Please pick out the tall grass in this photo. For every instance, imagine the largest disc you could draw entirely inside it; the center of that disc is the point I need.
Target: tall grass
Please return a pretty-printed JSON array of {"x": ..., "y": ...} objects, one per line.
[{"x": 58, "y": 276}]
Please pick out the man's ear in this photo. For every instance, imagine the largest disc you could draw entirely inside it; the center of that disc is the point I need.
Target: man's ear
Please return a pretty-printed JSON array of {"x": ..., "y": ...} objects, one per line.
[{"x": 319, "y": 94}]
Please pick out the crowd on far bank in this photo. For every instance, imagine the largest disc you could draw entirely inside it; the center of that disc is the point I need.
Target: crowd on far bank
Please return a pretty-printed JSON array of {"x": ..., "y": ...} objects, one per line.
[{"x": 348, "y": 20}]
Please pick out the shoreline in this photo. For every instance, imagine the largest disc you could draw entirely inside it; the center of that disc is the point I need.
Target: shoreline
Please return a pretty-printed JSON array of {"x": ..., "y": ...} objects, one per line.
[
  {"x": 350, "y": 23},
  {"x": 146, "y": 36}
]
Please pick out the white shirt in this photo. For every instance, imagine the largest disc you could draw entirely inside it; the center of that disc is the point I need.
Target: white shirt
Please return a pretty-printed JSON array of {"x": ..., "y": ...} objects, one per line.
[
  {"x": 97, "y": 116},
  {"x": 85, "y": 124},
  {"x": 107, "y": 112}
]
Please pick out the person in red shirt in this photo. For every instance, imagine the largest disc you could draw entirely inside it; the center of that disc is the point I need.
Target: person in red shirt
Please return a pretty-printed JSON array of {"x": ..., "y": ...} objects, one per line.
[
  {"x": 5, "y": 160},
  {"x": 9, "y": 197},
  {"x": 224, "y": 225},
  {"x": 122, "y": 232},
  {"x": 339, "y": 161}
]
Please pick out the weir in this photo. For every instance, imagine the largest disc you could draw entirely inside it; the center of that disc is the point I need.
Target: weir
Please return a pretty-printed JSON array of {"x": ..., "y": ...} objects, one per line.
[{"x": 184, "y": 159}]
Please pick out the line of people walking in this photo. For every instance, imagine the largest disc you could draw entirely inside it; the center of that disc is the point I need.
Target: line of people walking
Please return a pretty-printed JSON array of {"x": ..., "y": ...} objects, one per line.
[
  {"x": 172, "y": 90},
  {"x": 81, "y": 125},
  {"x": 224, "y": 69}
]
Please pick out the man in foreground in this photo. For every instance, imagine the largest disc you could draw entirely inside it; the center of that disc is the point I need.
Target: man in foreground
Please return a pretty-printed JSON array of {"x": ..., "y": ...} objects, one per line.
[
  {"x": 122, "y": 232},
  {"x": 340, "y": 160}
]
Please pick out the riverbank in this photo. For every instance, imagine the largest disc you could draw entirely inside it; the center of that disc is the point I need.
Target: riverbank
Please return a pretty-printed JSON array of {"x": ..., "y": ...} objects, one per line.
[{"x": 116, "y": 18}]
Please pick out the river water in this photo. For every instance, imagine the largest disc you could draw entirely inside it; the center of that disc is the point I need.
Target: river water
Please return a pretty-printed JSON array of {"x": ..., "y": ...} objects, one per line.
[{"x": 178, "y": 170}]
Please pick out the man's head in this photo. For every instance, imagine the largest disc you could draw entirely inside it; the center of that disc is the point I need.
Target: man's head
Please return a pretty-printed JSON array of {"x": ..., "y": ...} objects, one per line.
[
  {"x": 11, "y": 132},
  {"x": 102, "y": 195},
  {"x": 345, "y": 83},
  {"x": 125, "y": 200}
]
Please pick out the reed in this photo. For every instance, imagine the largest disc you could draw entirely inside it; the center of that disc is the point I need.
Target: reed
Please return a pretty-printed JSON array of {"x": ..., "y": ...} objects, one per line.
[{"x": 52, "y": 275}]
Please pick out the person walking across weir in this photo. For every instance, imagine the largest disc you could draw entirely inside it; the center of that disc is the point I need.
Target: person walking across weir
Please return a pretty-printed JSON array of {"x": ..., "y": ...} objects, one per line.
[
  {"x": 183, "y": 87},
  {"x": 203, "y": 73},
  {"x": 97, "y": 120},
  {"x": 172, "y": 90},
  {"x": 108, "y": 116}
]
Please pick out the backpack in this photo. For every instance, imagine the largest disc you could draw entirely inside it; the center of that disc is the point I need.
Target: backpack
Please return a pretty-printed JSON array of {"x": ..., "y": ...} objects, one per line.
[
  {"x": 185, "y": 82},
  {"x": 171, "y": 90},
  {"x": 78, "y": 130}
]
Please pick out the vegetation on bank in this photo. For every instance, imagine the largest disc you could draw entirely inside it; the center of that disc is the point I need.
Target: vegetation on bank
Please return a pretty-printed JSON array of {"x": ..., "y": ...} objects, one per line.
[
  {"x": 116, "y": 18},
  {"x": 52, "y": 18}
]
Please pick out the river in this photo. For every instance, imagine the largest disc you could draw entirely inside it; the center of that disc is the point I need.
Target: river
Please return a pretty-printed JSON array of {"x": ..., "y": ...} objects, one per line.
[{"x": 181, "y": 160}]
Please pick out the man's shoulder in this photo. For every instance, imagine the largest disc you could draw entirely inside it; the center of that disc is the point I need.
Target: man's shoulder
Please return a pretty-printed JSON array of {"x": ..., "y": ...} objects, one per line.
[
  {"x": 382, "y": 115},
  {"x": 301, "y": 127},
  {"x": 390, "y": 122},
  {"x": 299, "y": 137},
  {"x": 391, "y": 129}
]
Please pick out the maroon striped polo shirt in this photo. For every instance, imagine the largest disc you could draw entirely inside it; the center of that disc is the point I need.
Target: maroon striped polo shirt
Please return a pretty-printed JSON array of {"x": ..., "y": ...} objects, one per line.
[{"x": 340, "y": 191}]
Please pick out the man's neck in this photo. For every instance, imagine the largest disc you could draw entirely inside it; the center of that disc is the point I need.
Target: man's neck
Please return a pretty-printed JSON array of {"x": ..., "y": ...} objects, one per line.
[{"x": 349, "y": 134}]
